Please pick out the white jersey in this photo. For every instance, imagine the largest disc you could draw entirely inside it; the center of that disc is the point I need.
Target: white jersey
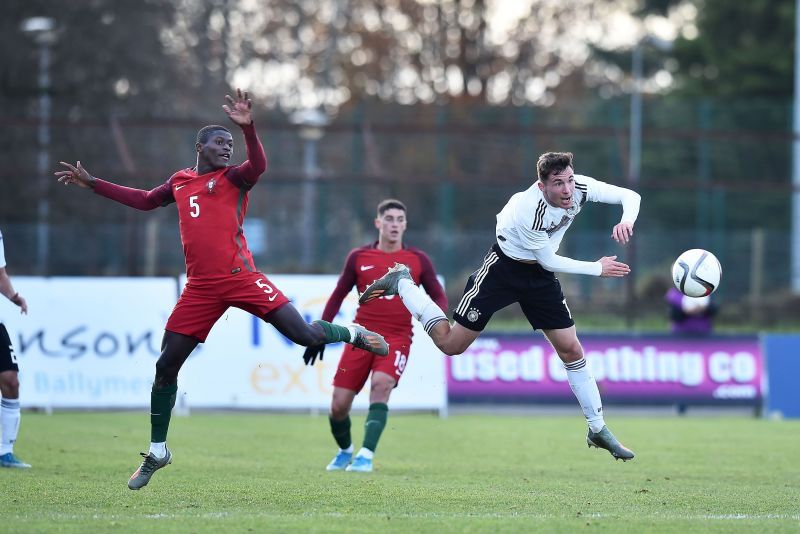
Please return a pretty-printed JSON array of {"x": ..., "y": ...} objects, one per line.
[
  {"x": 531, "y": 229},
  {"x": 2, "y": 252}
]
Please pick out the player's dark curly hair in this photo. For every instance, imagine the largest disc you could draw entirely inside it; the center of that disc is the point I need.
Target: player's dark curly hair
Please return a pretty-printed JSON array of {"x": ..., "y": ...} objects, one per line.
[
  {"x": 552, "y": 161},
  {"x": 206, "y": 131},
  {"x": 390, "y": 203}
]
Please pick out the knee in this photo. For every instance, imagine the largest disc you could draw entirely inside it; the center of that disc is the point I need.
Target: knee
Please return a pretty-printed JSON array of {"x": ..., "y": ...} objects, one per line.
[
  {"x": 450, "y": 351},
  {"x": 381, "y": 390},
  {"x": 339, "y": 410},
  {"x": 571, "y": 352},
  {"x": 9, "y": 385},
  {"x": 453, "y": 347},
  {"x": 166, "y": 371}
]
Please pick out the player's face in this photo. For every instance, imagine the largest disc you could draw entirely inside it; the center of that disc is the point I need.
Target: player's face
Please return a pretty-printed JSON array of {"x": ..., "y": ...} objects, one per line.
[
  {"x": 391, "y": 225},
  {"x": 559, "y": 188},
  {"x": 217, "y": 151}
]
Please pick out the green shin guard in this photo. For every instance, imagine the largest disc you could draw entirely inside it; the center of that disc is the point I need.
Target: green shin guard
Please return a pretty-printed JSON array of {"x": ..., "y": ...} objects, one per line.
[
  {"x": 162, "y": 400},
  {"x": 341, "y": 431},
  {"x": 333, "y": 332},
  {"x": 376, "y": 422}
]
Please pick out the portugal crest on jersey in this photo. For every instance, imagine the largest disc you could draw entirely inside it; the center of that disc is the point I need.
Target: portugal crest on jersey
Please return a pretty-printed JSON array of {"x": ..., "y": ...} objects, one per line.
[{"x": 210, "y": 185}]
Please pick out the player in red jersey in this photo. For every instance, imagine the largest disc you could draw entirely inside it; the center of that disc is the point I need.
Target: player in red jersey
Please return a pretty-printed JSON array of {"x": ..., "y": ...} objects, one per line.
[
  {"x": 386, "y": 315},
  {"x": 212, "y": 201}
]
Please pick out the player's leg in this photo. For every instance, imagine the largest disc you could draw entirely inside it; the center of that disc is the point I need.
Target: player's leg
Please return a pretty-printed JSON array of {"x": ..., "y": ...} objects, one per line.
[
  {"x": 9, "y": 419},
  {"x": 351, "y": 375},
  {"x": 381, "y": 388},
  {"x": 288, "y": 321},
  {"x": 256, "y": 294},
  {"x": 452, "y": 339},
  {"x": 581, "y": 380},
  {"x": 584, "y": 386},
  {"x": 339, "y": 419},
  {"x": 196, "y": 311},
  {"x": 175, "y": 349},
  {"x": 486, "y": 292},
  {"x": 398, "y": 281},
  {"x": 9, "y": 405}
]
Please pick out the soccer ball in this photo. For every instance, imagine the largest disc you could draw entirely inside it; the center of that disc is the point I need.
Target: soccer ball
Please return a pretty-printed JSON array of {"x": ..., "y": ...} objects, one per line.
[{"x": 696, "y": 273}]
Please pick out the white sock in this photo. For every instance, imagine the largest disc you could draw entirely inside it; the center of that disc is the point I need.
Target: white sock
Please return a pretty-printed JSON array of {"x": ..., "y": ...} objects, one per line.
[
  {"x": 9, "y": 418},
  {"x": 348, "y": 449},
  {"x": 585, "y": 389},
  {"x": 159, "y": 450},
  {"x": 352, "y": 330},
  {"x": 420, "y": 304},
  {"x": 365, "y": 453}
]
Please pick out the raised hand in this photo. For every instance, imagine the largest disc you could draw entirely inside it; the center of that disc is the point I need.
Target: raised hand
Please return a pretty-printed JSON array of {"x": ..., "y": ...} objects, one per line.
[
  {"x": 622, "y": 232},
  {"x": 239, "y": 109},
  {"x": 75, "y": 175},
  {"x": 613, "y": 268}
]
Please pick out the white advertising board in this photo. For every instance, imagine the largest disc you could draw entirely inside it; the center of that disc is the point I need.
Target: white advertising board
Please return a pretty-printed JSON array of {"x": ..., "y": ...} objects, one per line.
[
  {"x": 93, "y": 343},
  {"x": 88, "y": 342}
]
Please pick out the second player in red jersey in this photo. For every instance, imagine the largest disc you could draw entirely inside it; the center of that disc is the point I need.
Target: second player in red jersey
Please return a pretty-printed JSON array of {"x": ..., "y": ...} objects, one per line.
[
  {"x": 212, "y": 201},
  {"x": 389, "y": 317}
]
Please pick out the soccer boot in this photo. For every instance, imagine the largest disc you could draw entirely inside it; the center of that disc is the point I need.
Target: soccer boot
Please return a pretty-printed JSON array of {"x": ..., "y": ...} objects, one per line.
[
  {"x": 9, "y": 460},
  {"x": 369, "y": 341},
  {"x": 360, "y": 464},
  {"x": 606, "y": 440},
  {"x": 385, "y": 285},
  {"x": 150, "y": 465},
  {"x": 340, "y": 461}
]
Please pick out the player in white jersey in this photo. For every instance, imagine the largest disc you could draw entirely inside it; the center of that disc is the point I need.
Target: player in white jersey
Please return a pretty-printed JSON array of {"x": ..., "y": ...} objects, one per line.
[
  {"x": 9, "y": 381},
  {"x": 520, "y": 267}
]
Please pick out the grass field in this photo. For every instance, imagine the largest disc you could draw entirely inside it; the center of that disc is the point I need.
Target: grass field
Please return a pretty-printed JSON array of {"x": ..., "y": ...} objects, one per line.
[{"x": 255, "y": 472}]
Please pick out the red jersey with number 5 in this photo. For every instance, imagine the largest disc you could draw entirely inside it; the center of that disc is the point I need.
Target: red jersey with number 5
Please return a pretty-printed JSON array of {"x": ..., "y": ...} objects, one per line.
[{"x": 211, "y": 212}]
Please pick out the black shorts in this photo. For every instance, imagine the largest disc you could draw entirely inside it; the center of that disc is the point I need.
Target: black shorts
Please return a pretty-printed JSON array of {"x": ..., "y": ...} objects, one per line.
[
  {"x": 8, "y": 360},
  {"x": 501, "y": 281}
]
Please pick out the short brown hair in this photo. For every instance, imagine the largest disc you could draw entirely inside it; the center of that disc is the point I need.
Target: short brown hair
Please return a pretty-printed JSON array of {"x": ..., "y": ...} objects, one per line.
[
  {"x": 390, "y": 203},
  {"x": 552, "y": 161}
]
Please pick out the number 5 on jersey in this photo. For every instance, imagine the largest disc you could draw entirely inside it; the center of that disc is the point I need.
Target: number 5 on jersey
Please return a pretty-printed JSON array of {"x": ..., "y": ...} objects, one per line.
[{"x": 194, "y": 207}]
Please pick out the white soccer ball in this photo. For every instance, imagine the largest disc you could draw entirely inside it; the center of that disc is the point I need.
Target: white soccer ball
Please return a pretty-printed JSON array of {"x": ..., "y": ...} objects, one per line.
[{"x": 696, "y": 273}]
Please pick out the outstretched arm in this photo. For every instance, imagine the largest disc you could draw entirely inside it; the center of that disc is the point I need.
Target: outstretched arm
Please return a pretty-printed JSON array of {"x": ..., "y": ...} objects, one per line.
[
  {"x": 239, "y": 110},
  {"x": 135, "y": 198},
  {"x": 607, "y": 266}
]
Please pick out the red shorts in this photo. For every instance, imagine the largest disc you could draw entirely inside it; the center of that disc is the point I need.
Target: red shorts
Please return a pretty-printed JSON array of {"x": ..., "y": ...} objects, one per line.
[
  {"x": 204, "y": 301},
  {"x": 355, "y": 365}
]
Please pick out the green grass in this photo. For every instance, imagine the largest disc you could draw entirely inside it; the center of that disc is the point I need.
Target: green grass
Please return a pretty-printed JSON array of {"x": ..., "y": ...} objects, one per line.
[{"x": 255, "y": 472}]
